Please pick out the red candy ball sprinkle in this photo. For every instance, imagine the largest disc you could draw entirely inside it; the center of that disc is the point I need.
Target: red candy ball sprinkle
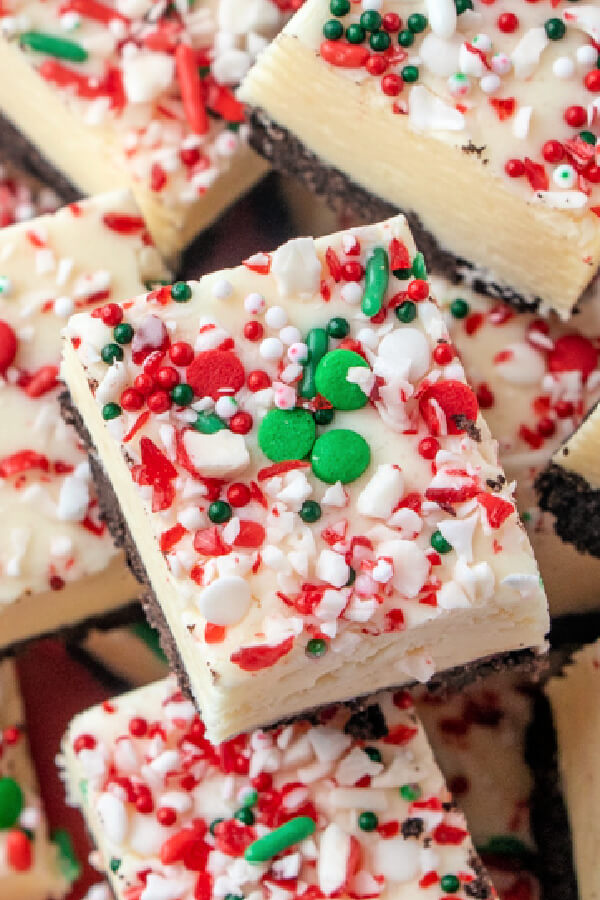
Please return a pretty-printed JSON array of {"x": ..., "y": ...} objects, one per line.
[
  {"x": 592, "y": 80},
  {"x": 553, "y": 151},
  {"x": 159, "y": 402},
  {"x": 575, "y": 116},
  {"x": 376, "y": 65},
  {"x": 240, "y": 422},
  {"x": 572, "y": 353},
  {"x": 443, "y": 354},
  {"x": 428, "y": 447},
  {"x": 167, "y": 377},
  {"x": 514, "y": 168},
  {"x": 253, "y": 330},
  {"x": 392, "y": 85},
  {"x": 8, "y": 346},
  {"x": 418, "y": 290},
  {"x": 181, "y": 353},
  {"x": 238, "y": 494},
  {"x": 111, "y": 314},
  {"x": 144, "y": 384},
  {"x": 507, "y": 22},
  {"x": 258, "y": 380},
  {"x": 132, "y": 400}
]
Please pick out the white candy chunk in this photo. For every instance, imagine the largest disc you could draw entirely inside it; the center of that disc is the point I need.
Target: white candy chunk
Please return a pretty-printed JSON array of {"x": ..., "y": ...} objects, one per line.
[
  {"x": 244, "y": 16},
  {"x": 587, "y": 18},
  {"x": 405, "y": 345},
  {"x": 396, "y": 859},
  {"x": 411, "y": 566},
  {"x": 159, "y": 888},
  {"x": 442, "y": 17},
  {"x": 459, "y": 533},
  {"x": 470, "y": 63},
  {"x": 521, "y": 122},
  {"x": 328, "y": 743},
  {"x": 335, "y": 496},
  {"x": 332, "y": 605},
  {"x": 73, "y": 499},
  {"x": 332, "y": 864},
  {"x": 225, "y": 601},
  {"x": 401, "y": 770},
  {"x": 526, "y": 585},
  {"x": 297, "y": 268},
  {"x": 562, "y": 199},
  {"x": 452, "y": 596},
  {"x": 113, "y": 383},
  {"x": 521, "y": 364},
  {"x": 355, "y": 766},
  {"x": 231, "y": 66},
  {"x": 526, "y": 54},
  {"x": 113, "y": 814},
  {"x": 332, "y": 568},
  {"x": 477, "y": 581},
  {"x": 440, "y": 56},
  {"x": 381, "y": 494},
  {"x": 426, "y": 112},
  {"x": 286, "y": 867},
  {"x": 91, "y": 331},
  {"x": 146, "y": 75},
  {"x": 218, "y": 454}
]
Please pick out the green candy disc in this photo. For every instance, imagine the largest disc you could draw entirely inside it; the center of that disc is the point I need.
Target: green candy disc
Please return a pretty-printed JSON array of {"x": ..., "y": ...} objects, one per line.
[
  {"x": 11, "y": 802},
  {"x": 286, "y": 434},
  {"x": 331, "y": 383},
  {"x": 340, "y": 455}
]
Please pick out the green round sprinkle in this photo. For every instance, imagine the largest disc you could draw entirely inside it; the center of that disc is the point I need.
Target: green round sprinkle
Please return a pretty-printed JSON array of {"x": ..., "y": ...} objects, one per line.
[
  {"x": 370, "y": 20},
  {"x": 338, "y": 327},
  {"x": 317, "y": 341},
  {"x": 351, "y": 576},
  {"x": 355, "y": 34},
  {"x": 462, "y": 6},
  {"x": 244, "y": 815},
  {"x": 251, "y": 798},
  {"x": 418, "y": 268},
  {"x": 181, "y": 291},
  {"x": 340, "y": 455},
  {"x": 368, "y": 821},
  {"x": 294, "y": 831},
  {"x": 214, "y": 824},
  {"x": 123, "y": 333},
  {"x": 208, "y": 423},
  {"x": 110, "y": 353},
  {"x": 380, "y": 41},
  {"x": 410, "y": 792},
  {"x": 417, "y": 23},
  {"x": 439, "y": 543},
  {"x": 310, "y": 511},
  {"x": 219, "y": 511},
  {"x": 555, "y": 29},
  {"x": 339, "y": 7},
  {"x": 406, "y": 312},
  {"x": 324, "y": 416},
  {"x": 111, "y": 411},
  {"x": 59, "y": 47},
  {"x": 286, "y": 434},
  {"x": 316, "y": 648},
  {"x": 449, "y": 884},
  {"x": 588, "y": 137},
  {"x": 115, "y": 864},
  {"x": 373, "y": 754},
  {"x": 182, "y": 394},
  {"x": 459, "y": 308},
  {"x": 410, "y": 74},
  {"x": 331, "y": 379},
  {"x": 333, "y": 30},
  {"x": 406, "y": 38},
  {"x": 377, "y": 276},
  {"x": 11, "y": 802}
]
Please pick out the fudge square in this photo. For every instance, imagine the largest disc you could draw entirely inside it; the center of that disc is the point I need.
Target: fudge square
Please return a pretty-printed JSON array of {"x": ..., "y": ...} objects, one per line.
[
  {"x": 351, "y": 806},
  {"x": 58, "y": 565},
  {"x": 313, "y": 495},
  {"x": 30, "y": 865},
  {"x": 481, "y": 121},
  {"x": 144, "y": 93}
]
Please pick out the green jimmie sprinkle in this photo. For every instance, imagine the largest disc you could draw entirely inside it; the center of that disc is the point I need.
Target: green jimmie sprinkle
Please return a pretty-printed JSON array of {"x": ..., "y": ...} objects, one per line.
[
  {"x": 376, "y": 281},
  {"x": 270, "y": 845},
  {"x": 59, "y": 47},
  {"x": 317, "y": 342}
]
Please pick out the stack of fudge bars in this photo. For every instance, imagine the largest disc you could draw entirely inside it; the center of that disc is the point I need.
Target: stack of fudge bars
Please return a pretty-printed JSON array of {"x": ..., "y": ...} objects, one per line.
[{"x": 352, "y": 481}]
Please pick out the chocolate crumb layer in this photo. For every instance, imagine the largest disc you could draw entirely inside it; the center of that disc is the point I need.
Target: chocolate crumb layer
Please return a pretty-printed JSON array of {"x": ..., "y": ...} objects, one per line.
[{"x": 574, "y": 505}]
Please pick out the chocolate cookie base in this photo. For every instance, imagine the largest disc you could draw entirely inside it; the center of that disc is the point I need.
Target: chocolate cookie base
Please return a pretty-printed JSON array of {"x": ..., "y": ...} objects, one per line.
[
  {"x": 288, "y": 154},
  {"x": 575, "y": 507}
]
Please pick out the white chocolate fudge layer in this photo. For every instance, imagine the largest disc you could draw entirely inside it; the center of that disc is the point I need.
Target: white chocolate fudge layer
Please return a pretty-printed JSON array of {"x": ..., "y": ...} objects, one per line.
[
  {"x": 29, "y": 862},
  {"x": 317, "y": 502},
  {"x": 140, "y": 96},
  {"x": 307, "y": 810},
  {"x": 58, "y": 564},
  {"x": 475, "y": 121},
  {"x": 577, "y": 726}
]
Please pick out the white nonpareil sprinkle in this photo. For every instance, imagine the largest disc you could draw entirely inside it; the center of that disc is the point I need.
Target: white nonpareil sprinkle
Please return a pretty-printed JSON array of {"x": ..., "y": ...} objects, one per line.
[
  {"x": 271, "y": 348},
  {"x": 586, "y": 55},
  {"x": 352, "y": 293},
  {"x": 276, "y": 317},
  {"x": 563, "y": 67},
  {"x": 489, "y": 84},
  {"x": 222, "y": 289},
  {"x": 290, "y": 335},
  {"x": 226, "y": 407},
  {"x": 63, "y": 306}
]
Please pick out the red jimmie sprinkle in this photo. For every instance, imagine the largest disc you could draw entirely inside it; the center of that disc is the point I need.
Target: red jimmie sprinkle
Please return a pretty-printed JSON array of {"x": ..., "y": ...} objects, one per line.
[{"x": 261, "y": 656}]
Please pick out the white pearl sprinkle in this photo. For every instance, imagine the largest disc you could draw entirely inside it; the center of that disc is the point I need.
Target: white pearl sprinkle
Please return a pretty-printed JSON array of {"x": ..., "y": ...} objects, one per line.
[
  {"x": 226, "y": 407},
  {"x": 563, "y": 67},
  {"x": 222, "y": 289},
  {"x": 276, "y": 317},
  {"x": 271, "y": 348},
  {"x": 586, "y": 55},
  {"x": 352, "y": 292},
  {"x": 489, "y": 84},
  {"x": 564, "y": 176},
  {"x": 290, "y": 335},
  {"x": 254, "y": 304},
  {"x": 482, "y": 42},
  {"x": 63, "y": 306}
]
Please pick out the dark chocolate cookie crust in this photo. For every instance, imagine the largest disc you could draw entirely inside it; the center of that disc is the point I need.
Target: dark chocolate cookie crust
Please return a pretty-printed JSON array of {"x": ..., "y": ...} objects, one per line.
[{"x": 574, "y": 505}]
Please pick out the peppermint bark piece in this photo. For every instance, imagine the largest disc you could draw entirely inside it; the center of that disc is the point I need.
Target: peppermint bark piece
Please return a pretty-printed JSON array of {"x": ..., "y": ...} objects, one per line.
[
  {"x": 478, "y": 121},
  {"x": 309, "y": 489},
  {"x": 58, "y": 564},
  {"x": 138, "y": 96},
  {"x": 29, "y": 862},
  {"x": 347, "y": 806}
]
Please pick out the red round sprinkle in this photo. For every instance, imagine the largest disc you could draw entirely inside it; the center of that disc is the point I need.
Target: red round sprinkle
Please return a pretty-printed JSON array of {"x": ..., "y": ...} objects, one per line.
[
  {"x": 167, "y": 377},
  {"x": 392, "y": 85},
  {"x": 428, "y": 447},
  {"x": 485, "y": 397},
  {"x": 514, "y": 168},
  {"x": 352, "y": 270},
  {"x": 131, "y": 400},
  {"x": 189, "y": 156},
  {"x": 111, "y": 314},
  {"x": 253, "y": 330},
  {"x": 166, "y": 816},
  {"x": 391, "y": 22},
  {"x": 238, "y": 494},
  {"x": 592, "y": 173},
  {"x": 507, "y": 22},
  {"x": 258, "y": 380},
  {"x": 575, "y": 116},
  {"x": 214, "y": 373},
  {"x": 143, "y": 801},
  {"x": 240, "y": 423},
  {"x": 138, "y": 727},
  {"x": 11, "y": 735},
  {"x": 84, "y": 742},
  {"x": 418, "y": 289},
  {"x": 8, "y": 346},
  {"x": 572, "y": 353},
  {"x": 144, "y": 384},
  {"x": 564, "y": 409},
  {"x": 443, "y": 353},
  {"x": 376, "y": 64},
  {"x": 262, "y": 782},
  {"x": 159, "y": 402},
  {"x": 546, "y": 427},
  {"x": 181, "y": 353},
  {"x": 553, "y": 151},
  {"x": 18, "y": 850},
  {"x": 592, "y": 80}
]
